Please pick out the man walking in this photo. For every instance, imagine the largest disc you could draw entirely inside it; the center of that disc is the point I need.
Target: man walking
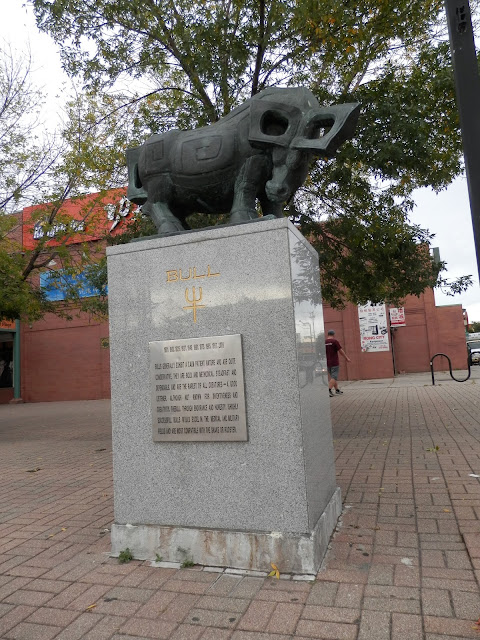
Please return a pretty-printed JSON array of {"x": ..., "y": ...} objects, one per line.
[{"x": 332, "y": 349}]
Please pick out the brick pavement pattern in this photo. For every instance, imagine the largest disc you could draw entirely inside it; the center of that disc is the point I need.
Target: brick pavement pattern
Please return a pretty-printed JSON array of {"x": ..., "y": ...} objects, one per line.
[{"x": 403, "y": 564}]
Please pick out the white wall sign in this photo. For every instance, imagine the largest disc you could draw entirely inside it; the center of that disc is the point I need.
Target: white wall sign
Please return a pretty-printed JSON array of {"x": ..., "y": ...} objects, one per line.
[
  {"x": 372, "y": 319},
  {"x": 397, "y": 317},
  {"x": 116, "y": 212}
]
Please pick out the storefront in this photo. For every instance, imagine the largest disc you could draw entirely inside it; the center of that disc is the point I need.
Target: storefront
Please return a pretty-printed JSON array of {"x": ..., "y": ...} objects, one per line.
[{"x": 9, "y": 361}]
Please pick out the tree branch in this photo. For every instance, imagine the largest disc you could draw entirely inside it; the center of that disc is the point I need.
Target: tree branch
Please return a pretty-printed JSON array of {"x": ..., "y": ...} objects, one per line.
[
  {"x": 138, "y": 99},
  {"x": 260, "y": 47}
]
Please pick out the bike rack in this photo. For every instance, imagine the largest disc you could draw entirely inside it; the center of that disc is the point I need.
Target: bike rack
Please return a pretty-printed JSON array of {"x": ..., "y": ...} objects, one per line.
[{"x": 449, "y": 366}]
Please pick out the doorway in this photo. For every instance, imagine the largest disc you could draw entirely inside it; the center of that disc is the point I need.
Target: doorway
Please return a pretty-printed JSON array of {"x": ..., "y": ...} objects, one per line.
[{"x": 6, "y": 360}]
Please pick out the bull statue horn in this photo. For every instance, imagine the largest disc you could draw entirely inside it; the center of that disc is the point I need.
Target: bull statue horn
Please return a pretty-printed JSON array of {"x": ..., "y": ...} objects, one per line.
[{"x": 342, "y": 120}]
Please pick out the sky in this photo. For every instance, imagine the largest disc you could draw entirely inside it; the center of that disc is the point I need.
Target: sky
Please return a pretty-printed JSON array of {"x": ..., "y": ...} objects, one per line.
[{"x": 446, "y": 214}]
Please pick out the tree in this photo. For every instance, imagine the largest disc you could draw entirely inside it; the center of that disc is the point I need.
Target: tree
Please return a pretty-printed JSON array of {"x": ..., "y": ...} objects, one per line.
[
  {"x": 25, "y": 161},
  {"x": 16, "y": 295},
  {"x": 84, "y": 156},
  {"x": 25, "y": 158},
  {"x": 202, "y": 58}
]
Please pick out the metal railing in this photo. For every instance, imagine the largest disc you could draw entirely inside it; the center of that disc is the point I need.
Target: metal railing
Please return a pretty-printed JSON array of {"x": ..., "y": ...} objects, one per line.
[{"x": 450, "y": 368}]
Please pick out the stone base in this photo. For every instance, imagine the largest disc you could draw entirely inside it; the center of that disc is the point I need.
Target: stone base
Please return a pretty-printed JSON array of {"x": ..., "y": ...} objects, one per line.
[
  {"x": 243, "y": 504},
  {"x": 291, "y": 552}
]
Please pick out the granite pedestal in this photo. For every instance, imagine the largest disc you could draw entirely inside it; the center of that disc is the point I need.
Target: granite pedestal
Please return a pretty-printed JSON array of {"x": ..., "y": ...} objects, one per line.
[{"x": 271, "y": 498}]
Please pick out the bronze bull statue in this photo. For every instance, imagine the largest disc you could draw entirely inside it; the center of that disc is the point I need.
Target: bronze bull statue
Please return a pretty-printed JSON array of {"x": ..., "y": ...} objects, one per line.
[{"x": 261, "y": 150}]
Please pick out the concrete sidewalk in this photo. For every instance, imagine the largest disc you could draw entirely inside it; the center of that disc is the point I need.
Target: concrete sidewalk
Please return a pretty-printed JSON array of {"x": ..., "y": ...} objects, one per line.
[{"x": 403, "y": 564}]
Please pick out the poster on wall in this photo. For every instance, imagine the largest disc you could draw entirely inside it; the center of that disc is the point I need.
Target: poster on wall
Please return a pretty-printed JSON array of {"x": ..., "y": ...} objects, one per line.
[
  {"x": 397, "y": 317},
  {"x": 372, "y": 319}
]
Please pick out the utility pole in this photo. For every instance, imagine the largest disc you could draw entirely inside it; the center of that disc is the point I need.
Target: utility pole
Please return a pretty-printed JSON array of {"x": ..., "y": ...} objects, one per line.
[{"x": 467, "y": 85}]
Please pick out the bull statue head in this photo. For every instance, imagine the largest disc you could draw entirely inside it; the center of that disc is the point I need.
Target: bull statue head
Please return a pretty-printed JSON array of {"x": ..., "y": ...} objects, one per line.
[{"x": 296, "y": 129}]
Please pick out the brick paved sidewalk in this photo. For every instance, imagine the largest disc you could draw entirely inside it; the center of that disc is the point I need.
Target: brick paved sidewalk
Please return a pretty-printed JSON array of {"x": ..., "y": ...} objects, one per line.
[{"x": 402, "y": 565}]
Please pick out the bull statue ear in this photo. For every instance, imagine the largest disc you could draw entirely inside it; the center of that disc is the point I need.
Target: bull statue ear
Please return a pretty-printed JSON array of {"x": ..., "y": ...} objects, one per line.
[
  {"x": 340, "y": 120},
  {"x": 273, "y": 123}
]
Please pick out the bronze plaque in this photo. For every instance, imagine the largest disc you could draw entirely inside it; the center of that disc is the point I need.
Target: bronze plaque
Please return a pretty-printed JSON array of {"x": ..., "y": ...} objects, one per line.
[{"x": 197, "y": 390}]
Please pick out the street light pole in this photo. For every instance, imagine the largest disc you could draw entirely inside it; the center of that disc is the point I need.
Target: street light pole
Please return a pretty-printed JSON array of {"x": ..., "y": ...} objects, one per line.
[{"x": 467, "y": 85}]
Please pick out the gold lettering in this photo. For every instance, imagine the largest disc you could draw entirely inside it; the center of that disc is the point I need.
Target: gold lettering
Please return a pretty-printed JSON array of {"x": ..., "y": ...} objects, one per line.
[
  {"x": 172, "y": 276},
  {"x": 210, "y": 274},
  {"x": 176, "y": 275},
  {"x": 195, "y": 274},
  {"x": 189, "y": 274}
]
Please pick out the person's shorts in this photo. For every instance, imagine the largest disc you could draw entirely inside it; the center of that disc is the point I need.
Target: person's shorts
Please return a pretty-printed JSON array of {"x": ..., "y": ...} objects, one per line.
[{"x": 333, "y": 371}]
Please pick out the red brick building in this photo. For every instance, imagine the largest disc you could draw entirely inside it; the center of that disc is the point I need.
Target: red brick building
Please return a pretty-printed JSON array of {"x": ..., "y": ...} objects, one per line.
[
  {"x": 65, "y": 360},
  {"x": 60, "y": 359},
  {"x": 428, "y": 330},
  {"x": 69, "y": 360}
]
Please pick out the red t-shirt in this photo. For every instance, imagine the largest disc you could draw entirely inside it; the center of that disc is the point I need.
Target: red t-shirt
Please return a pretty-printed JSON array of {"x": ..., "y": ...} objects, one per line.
[{"x": 332, "y": 347}]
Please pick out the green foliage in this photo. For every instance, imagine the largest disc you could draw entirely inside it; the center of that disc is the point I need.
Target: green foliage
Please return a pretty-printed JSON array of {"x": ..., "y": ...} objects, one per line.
[
  {"x": 96, "y": 273},
  {"x": 452, "y": 287},
  {"x": 188, "y": 562},
  {"x": 200, "y": 59},
  {"x": 86, "y": 155},
  {"x": 25, "y": 162},
  {"x": 378, "y": 251},
  {"x": 125, "y": 556},
  {"x": 187, "y": 558},
  {"x": 16, "y": 295},
  {"x": 25, "y": 156},
  {"x": 139, "y": 226},
  {"x": 474, "y": 327}
]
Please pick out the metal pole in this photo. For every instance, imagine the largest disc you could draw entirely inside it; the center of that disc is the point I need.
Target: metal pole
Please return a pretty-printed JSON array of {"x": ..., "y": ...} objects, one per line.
[
  {"x": 16, "y": 362},
  {"x": 467, "y": 85},
  {"x": 392, "y": 332}
]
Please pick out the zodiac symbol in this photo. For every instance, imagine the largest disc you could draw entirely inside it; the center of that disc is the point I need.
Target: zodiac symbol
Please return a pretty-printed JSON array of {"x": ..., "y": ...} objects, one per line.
[{"x": 193, "y": 302}]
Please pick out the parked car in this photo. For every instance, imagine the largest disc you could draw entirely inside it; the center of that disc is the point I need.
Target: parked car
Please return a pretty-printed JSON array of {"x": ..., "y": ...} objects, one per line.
[
  {"x": 473, "y": 348},
  {"x": 321, "y": 367}
]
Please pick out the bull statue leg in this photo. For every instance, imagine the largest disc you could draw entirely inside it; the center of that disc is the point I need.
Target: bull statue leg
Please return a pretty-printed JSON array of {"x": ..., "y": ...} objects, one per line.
[
  {"x": 157, "y": 207},
  {"x": 162, "y": 217},
  {"x": 271, "y": 209},
  {"x": 251, "y": 175}
]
